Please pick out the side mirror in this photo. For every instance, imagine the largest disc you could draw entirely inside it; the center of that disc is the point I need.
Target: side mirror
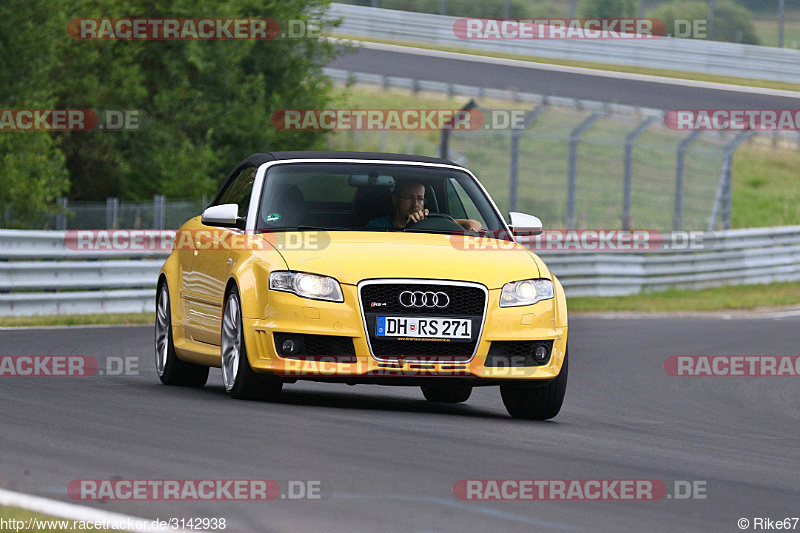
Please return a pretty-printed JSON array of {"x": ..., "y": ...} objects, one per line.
[
  {"x": 524, "y": 224},
  {"x": 225, "y": 215}
]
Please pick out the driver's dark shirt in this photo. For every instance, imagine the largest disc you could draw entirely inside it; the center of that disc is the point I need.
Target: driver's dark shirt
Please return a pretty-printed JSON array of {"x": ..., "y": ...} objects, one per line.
[{"x": 381, "y": 222}]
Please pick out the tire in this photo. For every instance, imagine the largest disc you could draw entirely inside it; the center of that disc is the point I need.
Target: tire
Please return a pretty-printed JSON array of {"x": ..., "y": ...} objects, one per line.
[
  {"x": 446, "y": 392},
  {"x": 534, "y": 402},
  {"x": 240, "y": 381},
  {"x": 170, "y": 369}
]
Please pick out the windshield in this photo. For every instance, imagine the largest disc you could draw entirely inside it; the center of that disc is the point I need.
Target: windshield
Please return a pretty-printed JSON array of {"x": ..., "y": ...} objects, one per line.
[{"x": 373, "y": 197}]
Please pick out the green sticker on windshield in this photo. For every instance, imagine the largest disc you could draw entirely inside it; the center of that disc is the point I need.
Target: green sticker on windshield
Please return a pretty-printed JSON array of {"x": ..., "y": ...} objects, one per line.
[{"x": 272, "y": 217}]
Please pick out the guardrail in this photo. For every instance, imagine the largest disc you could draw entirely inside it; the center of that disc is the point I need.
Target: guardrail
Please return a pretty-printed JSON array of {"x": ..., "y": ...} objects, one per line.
[
  {"x": 39, "y": 275},
  {"x": 727, "y": 59}
]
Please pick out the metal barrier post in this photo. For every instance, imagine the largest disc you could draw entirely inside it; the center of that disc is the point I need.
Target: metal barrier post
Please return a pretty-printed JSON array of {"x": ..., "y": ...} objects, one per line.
[
  {"x": 725, "y": 185},
  {"x": 159, "y": 209},
  {"x": 112, "y": 212},
  {"x": 677, "y": 217},
  {"x": 516, "y": 133},
  {"x": 444, "y": 143},
  {"x": 630, "y": 139},
  {"x": 574, "y": 139},
  {"x": 61, "y": 215}
]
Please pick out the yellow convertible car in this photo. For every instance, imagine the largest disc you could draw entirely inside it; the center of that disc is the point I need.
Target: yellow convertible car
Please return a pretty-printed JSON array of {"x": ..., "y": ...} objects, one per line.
[{"x": 361, "y": 268}]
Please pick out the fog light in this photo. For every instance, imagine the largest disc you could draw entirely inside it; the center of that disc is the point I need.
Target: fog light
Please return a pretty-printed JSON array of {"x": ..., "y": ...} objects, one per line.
[
  {"x": 290, "y": 347},
  {"x": 541, "y": 354}
]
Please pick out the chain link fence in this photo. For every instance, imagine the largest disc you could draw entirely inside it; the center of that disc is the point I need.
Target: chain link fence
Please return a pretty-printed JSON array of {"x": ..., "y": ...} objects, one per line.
[
  {"x": 587, "y": 169},
  {"x": 114, "y": 214}
]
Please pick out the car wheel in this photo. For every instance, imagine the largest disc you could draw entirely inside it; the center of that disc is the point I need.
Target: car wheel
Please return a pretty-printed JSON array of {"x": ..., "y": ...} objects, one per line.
[
  {"x": 534, "y": 402},
  {"x": 446, "y": 392},
  {"x": 240, "y": 380},
  {"x": 170, "y": 369}
]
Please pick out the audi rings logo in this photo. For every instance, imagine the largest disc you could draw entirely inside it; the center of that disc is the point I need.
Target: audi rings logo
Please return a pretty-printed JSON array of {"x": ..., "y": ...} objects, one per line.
[{"x": 424, "y": 299}]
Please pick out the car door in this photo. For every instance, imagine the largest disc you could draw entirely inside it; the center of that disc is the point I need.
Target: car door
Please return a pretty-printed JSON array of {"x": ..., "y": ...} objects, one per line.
[{"x": 210, "y": 264}]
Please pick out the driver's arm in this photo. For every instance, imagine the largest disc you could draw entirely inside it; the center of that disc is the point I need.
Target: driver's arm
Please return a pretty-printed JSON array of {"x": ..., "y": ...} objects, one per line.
[{"x": 469, "y": 225}]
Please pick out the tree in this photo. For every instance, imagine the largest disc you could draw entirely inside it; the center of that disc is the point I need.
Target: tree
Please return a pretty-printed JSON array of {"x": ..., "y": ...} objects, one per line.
[
  {"x": 207, "y": 103},
  {"x": 32, "y": 167}
]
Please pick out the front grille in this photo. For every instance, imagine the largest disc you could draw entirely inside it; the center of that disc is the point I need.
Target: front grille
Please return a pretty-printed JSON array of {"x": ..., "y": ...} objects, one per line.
[
  {"x": 465, "y": 301},
  {"x": 515, "y": 353}
]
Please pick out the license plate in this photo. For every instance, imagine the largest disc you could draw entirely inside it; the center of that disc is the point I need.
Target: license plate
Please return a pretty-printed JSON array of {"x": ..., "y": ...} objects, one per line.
[{"x": 424, "y": 328}]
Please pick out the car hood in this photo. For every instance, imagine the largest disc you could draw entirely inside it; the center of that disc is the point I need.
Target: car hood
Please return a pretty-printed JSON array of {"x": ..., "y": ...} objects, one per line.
[{"x": 351, "y": 256}]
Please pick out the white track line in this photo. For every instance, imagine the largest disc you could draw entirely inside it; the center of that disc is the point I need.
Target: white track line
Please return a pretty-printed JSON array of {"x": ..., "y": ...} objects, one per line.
[
  {"x": 575, "y": 70},
  {"x": 78, "y": 326},
  {"x": 73, "y": 511}
]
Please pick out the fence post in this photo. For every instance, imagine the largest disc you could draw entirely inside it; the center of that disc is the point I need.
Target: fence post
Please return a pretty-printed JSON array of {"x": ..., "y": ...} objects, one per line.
[
  {"x": 574, "y": 139},
  {"x": 516, "y": 133},
  {"x": 444, "y": 142},
  {"x": 725, "y": 185},
  {"x": 159, "y": 208},
  {"x": 61, "y": 214},
  {"x": 630, "y": 139},
  {"x": 677, "y": 217},
  {"x": 112, "y": 212}
]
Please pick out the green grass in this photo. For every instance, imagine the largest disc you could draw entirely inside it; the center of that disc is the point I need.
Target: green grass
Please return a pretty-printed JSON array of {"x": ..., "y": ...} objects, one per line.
[
  {"x": 77, "y": 320},
  {"x": 767, "y": 28},
  {"x": 766, "y": 190},
  {"x": 15, "y": 513},
  {"x": 740, "y": 297},
  {"x": 697, "y": 76}
]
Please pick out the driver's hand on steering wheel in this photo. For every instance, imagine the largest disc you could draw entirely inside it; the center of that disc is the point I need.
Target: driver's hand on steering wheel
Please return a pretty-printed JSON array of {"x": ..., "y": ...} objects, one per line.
[{"x": 416, "y": 216}]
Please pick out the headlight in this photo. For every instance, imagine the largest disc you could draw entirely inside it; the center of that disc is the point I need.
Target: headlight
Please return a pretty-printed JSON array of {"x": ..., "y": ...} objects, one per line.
[
  {"x": 306, "y": 285},
  {"x": 526, "y": 292}
]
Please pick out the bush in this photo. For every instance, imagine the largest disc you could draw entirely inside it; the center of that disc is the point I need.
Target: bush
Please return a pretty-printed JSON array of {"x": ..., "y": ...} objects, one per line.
[
  {"x": 602, "y": 9},
  {"x": 732, "y": 23}
]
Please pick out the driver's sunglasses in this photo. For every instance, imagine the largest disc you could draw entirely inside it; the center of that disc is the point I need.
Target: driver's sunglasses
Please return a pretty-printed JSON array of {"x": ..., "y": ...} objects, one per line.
[{"x": 420, "y": 199}]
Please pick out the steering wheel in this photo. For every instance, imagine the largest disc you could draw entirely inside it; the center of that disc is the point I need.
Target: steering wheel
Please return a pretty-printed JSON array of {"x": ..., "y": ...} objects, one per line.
[{"x": 436, "y": 221}]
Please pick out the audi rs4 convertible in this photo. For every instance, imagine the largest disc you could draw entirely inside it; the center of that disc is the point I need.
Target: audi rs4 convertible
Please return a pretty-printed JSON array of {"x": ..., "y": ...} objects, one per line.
[{"x": 362, "y": 268}]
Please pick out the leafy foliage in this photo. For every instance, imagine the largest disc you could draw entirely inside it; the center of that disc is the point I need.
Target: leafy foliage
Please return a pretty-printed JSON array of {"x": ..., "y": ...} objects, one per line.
[
  {"x": 205, "y": 104},
  {"x": 607, "y": 9},
  {"x": 732, "y": 22},
  {"x": 32, "y": 166}
]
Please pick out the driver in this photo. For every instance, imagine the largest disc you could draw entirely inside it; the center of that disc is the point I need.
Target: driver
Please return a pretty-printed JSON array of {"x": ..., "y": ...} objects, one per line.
[{"x": 408, "y": 200}]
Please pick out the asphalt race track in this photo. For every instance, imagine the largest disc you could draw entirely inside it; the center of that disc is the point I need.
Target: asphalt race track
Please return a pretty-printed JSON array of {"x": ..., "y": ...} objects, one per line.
[
  {"x": 388, "y": 460},
  {"x": 606, "y": 89}
]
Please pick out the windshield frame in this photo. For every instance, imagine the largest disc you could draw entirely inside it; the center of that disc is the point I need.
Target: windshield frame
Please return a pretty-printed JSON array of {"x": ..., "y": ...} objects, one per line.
[{"x": 261, "y": 175}]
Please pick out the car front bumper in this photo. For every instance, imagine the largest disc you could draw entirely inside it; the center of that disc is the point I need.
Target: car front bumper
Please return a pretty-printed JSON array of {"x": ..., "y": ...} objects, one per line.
[{"x": 290, "y": 314}]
